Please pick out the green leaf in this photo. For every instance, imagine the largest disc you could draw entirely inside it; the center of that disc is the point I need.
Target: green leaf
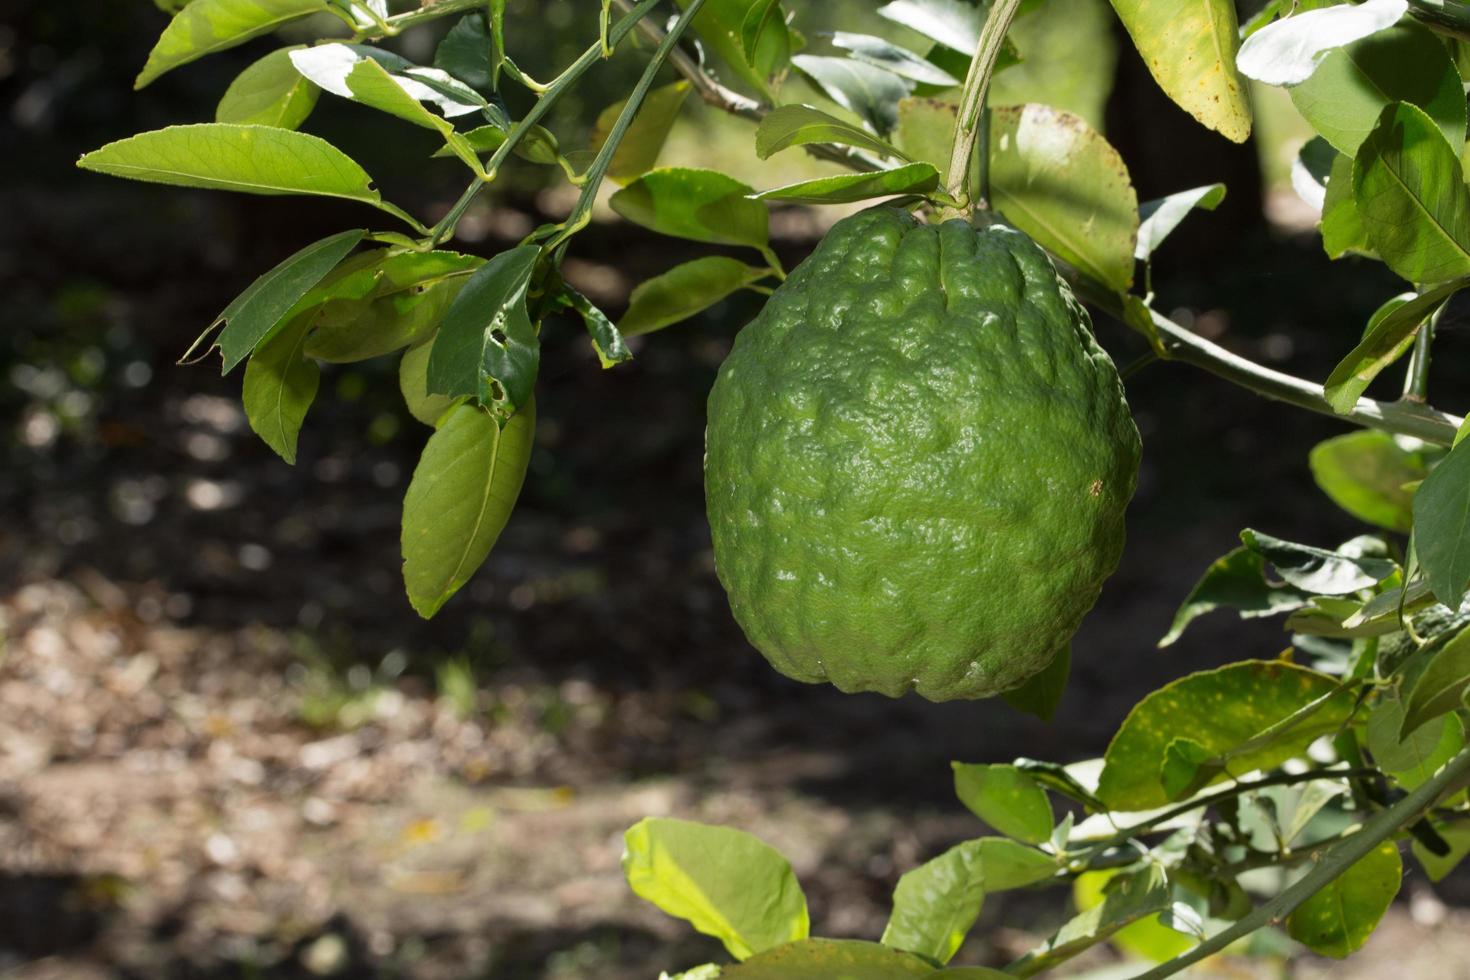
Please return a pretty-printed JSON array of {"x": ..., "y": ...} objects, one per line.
[
  {"x": 926, "y": 130},
  {"x": 1389, "y": 335},
  {"x": 1442, "y": 526},
  {"x": 331, "y": 66},
  {"x": 1187, "y": 768},
  {"x": 413, "y": 382},
  {"x": 912, "y": 178},
  {"x": 1348, "y": 91},
  {"x": 953, "y": 23},
  {"x": 1290, "y": 50},
  {"x": 538, "y": 145},
  {"x": 701, "y": 205},
  {"x": 1441, "y": 685},
  {"x": 606, "y": 341},
  {"x": 280, "y": 385},
  {"x": 1317, "y": 569},
  {"x": 230, "y": 157},
  {"x": 1005, "y": 798},
  {"x": 760, "y": 17},
  {"x": 1127, "y": 898},
  {"x": 467, "y": 53},
  {"x": 1330, "y": 616},
  {"x": 645, "y": 137},
  {"x": 389, "y": 305},
  {"x": 1342, "y": 228},
  {"x": 720, "y": 24},
  {"x": 1438, "y": 866},
  {"x": 1338, "y": 919},
  {"x": 872, "y": 93},
  {"x": 1365, "y": 473},
  {"x": 799, "y": 125},
  {"x": 936, "y": 904},
  {"x": 207, "y": 26},
  {"x": 1158, "y": 218},
  {"x": 372, "y": 85},
  {"x": 902, "y": 62},
  {"x": 1310, "y": 170},
  {"x": 252, "y": 316},
  {"x": 1412, "y": 757},
  {"x": 969, "y": 973},
  {"x": 1411, "y": 197},
  {"x": 683, "y": 291},
  {"x": 1235, "y": 581},
  {"x": 487, "y": 347},
  {"x": 1221, "y": 710},
  {"x": 1190, "y": 48},
  {"x": 271, "y": 92},
  {"x": 1058, "y": 180},
  {"x": 1042, "y": 692},
  {"x": 830, "y": 959},
  {"x": 459, "y": 500},
  {"x": 1147, "y": 938},
  {"x": 724, "y": 882}
]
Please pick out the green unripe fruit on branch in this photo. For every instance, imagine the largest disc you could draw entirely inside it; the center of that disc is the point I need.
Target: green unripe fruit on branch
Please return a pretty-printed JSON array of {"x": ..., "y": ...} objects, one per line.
[{"x": 917, "y": 463}]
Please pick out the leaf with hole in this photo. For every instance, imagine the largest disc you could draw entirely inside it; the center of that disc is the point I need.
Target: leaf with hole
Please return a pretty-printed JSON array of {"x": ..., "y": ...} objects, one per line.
[
  {"x": 271, "y": 92},
  {"x": 724, "y": 882},
  {"x": 459, "y": 500},
  {"x": 487, "y": 347}
]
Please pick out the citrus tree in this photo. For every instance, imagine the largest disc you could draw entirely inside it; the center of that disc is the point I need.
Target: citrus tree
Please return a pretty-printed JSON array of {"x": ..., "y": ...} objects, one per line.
[{"x": 920, "y": 421}]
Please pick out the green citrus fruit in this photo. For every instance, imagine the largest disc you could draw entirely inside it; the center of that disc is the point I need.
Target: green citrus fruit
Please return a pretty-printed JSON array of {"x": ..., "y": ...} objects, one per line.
[{"x": 917, "y": 462}]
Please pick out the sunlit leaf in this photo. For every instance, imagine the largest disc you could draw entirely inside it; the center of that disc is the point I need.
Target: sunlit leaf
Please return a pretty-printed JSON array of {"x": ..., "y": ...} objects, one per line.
[
  {"x": 1190, "y": 48},
  {"x": 1365, "y": 474},
  {"x": 1006, "y": 798},
  {"x": 1338, "y": 919},
  {"x": 702, "y": 205},
  {"x": 723, "y": 881},
  {"x": 271, "y": 92},
  {"x": 1289, "y": 51},
  {"x": 1318, "y": 570},
  {"x": 207, "y": 26},
  {"x": 1160, "y": 217},
  {"x": 830, "y": 959},
  {"x": 798, "y": 125},
  {"x": 901, "y": 61}
]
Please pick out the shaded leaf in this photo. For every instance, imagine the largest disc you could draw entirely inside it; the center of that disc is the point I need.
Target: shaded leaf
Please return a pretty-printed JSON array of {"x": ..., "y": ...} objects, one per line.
[
  {"x": 1159, "y": 217},
  {"x": 372, "y": 85},
  {"x": 1005, "y": 798},
  {"x": 683, "y": 291},
  {"x": 207, "y": 26},
  {"x": 1442, "y": 526},
  {"x": 1365, "y": 474},
  {"x": 271, "y": 92},
  {"x": 830, "y": 959},
  {"x": 1190, "y": 48},
  {"x": 1414, "y": 756},
  {"x": 1342, "y": 228},
  {"x": 1221, "y": 710},
  {"x": 720, "y": 24},
  {"x": 1042, "y": 692},
  {"x": 607, "y": 342},
  {"x": 1058, "y": 180},
  {"x": 912, "y": 178},
  {"x": 1147, "y": 938},
  {"x": 1338, "y": 919},
  {"x": 1235, "y": 581},
  {"x": 257, "y": 312},
  {"x": 1127, "y": 898},
  {"x": 1411, "y": 197},
  {"x": 468, "y": 53},
  {"x": 701, "y": 205},
  {"x": 459, "y": 500},
  {"x": 871, "y": 92},
  {"x": 1348, "y": 91},
  {"x": 487, "y": 346},
  {"x": 1441, "y": 685},
  {"x": 644, "y": 139},
  {"x": 936, "y": 904},
  {"x": 798, "y": 125},
  {"x": 230, "y": 157},
  {"x": 280, "y": 385},
  {"x": 1317, "y": 569},
  {"x": 901, "y": 61},
  {"x": 1289, "y": 51},
  {"x": 724, "y": 882},
  {"x": 1438, "y": 866},
  {"x": 1310, "y": 170},
  {"x": 413, "y": 382},
  {"x": 1389, "y": 335}
]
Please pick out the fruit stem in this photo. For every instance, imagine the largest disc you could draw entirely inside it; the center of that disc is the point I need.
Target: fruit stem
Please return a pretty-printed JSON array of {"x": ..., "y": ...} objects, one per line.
[{"x": 972, "y": 116}]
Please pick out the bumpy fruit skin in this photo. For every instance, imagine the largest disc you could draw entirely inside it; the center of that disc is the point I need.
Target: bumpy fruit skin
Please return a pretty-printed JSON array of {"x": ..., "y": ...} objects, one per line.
[{"x": 917, "y": 462}]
